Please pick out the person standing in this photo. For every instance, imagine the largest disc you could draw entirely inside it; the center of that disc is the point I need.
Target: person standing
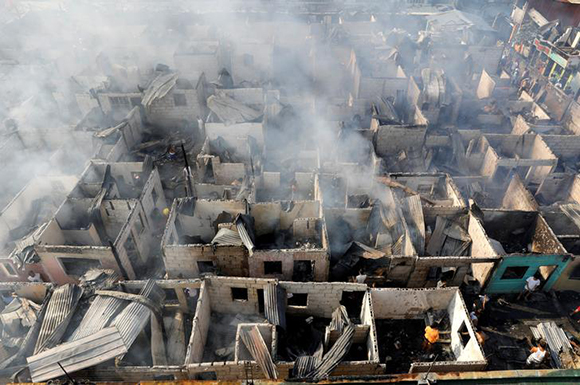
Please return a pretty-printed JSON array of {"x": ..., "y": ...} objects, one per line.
[{"x": 532, "y": 285}]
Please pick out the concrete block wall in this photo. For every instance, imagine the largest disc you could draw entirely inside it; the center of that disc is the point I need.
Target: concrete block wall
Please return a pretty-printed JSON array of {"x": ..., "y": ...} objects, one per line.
[
  {"x": 575, "y": 190},
  {"x": 165, "y": 113},
  {"x": 408, "y": 303},
  {"x": 544, "y": 240},
  {"x": 226, "y": 173},
  {"x": 517, "y": 197},
  {"x": 367, "y": 317},
  {"x": 320, "y": 258},
  {"x": 181, "y": 260},
  {"x": 418, "y": 277},
  {"x": 563, "y": 146},
  {"x": 220, "y": 292},
  {"x": 200, "y": 327},
  {"x": 323, "y": 298},
  {"x": 143, "y": 239},
  {"x": 459, "y": 315},
  {"x": 480, "y": 248},
  {"x": 306, "y": 228},
  {"x": 490, "y": 162},
  {"x": 391, "y": 139},
  {"x": 571, "y": 120},
  {"x": 146, "y": 200},
  {"x": 49, "y": 257},
  {"x": 565, "y": 282},
  {"x": 132, "y": 130},
  {"x": 233, "y": 132}
]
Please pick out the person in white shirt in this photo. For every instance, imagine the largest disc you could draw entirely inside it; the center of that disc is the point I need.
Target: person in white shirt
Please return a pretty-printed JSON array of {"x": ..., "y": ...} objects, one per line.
[
  {"x": 361, "y": 278},
  {"x": 34, "y": 277},
  {"x": 538, "y": 353},
  {"x": 532, "y": 284}
]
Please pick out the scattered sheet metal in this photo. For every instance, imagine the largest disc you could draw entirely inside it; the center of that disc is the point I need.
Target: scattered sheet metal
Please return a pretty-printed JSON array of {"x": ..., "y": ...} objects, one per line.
[
  {"x": 339, "y": 319},
  {"x": 257, "y": 347},
  {"x": 156, "y": 308},
  {"x": 59, "y": 312},
  {"x": 275, "y": 304},
  {"x": 27, "y": 346},
  {"x": 334, "y": 356},
  {"x": 100, "y": 314},
  {"x": 15, "y": 321},
  {"x": 448, "y": 238},
  {"x": 304, "y": 365},
  {"x": 158, "y": 88},
  {"x": 357, "y": 257},
  {"x": 556, "y": 339},
  {"x": 135, "y": 316},
  {"x": 73, "y": 356},
  {"x": 245, "y": 226},
  {"x": 227, "y": 237},
  {"x": 99, "y": 279},
  {"x": 231, "y": 111}
]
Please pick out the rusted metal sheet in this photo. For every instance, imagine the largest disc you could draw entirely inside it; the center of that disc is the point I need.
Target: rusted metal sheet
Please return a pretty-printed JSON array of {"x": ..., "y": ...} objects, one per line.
[
  {"x": 135, "y": 316},
  {"x": 60, "y": 310},
  {"x": 275, "y": 305},
  {"x": 333, "y": 357},
  {"x": 99, "y": 315},
  {"x": 257, "y": 347},
  {"x": 83, "y": 353},
  {"x": 304, "y": 365},
  {"x": 339, "y": 319}
]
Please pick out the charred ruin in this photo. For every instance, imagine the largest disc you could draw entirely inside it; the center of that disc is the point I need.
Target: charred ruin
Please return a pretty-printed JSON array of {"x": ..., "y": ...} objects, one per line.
[{"x": 294, "y": 191}]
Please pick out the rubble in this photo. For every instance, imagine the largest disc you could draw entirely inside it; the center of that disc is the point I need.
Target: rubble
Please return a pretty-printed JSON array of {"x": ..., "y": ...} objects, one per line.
[{"x": 289, "y": 191}]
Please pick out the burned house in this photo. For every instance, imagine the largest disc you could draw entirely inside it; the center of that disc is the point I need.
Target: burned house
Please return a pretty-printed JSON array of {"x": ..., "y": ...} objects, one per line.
[
  {"x": 527, "y": 245},
  {"x": 509, "y": 194},
  {"x": 40, "y": 200},
  {"x": 292, "y": 191},
  {"x": 284, "y": 239},
  {"x": 527, "y": 155},
  {"x": 199, "y": 57},
  {"x": 126, "y": 335},
  {"x": 108, "y": 220}
]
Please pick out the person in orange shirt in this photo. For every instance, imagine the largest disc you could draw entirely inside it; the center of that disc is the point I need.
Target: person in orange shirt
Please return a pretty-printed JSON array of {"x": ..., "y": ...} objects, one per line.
[{"x": 431, "y": 336}]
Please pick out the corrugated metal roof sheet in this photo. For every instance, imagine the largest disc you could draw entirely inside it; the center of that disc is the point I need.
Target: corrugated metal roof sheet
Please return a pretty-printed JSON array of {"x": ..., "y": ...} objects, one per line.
[
  {"x": 304, "y": 365},
  {"x": 60, "y": 310},
  {"x": 83, "y": 353},
  {"x": 159, "y": 87},
  {"x": 257, "y": 347},
  {"x": 135, "y": 316},
  {"x": 244, "y": 234},
  {"x": 333, "y": 357},
  {"x": 99, "y": 316},
  {"x": 227, "y": 237},
  {"x": 275, "y": 305}
]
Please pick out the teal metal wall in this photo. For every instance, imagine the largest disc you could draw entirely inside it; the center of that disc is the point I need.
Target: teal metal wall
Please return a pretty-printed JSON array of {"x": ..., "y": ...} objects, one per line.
[{"x": 533, "y": 262}]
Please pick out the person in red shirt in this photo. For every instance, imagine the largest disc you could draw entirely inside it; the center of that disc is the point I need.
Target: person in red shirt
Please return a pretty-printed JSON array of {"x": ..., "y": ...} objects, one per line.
[{"x": 575, "y": 312}]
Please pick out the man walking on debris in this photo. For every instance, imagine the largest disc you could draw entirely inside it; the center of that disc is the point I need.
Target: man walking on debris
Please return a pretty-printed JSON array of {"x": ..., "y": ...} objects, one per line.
[{"x": 532, "y": 284}]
